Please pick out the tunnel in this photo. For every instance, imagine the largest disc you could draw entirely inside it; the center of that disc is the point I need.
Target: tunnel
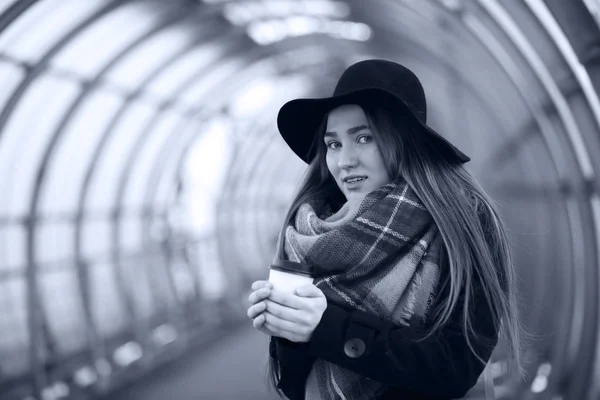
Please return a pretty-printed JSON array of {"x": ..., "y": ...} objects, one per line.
[{"x": 140, "y": 246}]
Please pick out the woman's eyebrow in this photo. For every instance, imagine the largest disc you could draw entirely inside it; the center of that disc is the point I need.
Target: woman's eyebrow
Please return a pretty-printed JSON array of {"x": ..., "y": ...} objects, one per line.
[{"x": 350, "y": 131}]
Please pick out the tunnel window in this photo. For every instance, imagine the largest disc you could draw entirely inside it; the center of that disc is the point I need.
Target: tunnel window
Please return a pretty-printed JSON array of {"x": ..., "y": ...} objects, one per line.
[
  {"x": 10, "y": 77},
  {"x": 193, "y": 95},
  {"x": 253, "y": 98},
  {"x": 271, "y": 31},
  {"x": 165, "y": 188},
  {"x": 171, "y": 79},
  {"x": 109, "y": 314},
  {"x": 114, "y": 157},
  {"x": 53, "y": 242},
  {"x": 270, "y": 21},
  {"x": 43, "y": 25},
  {"x": 6, "y": 5},
  {"x": 97, "y": 238},
  {"x": 12, "y": 247},
  {"x": 132, "y": 70},
  {"x": 26, "y": 138},
  {"x": 68, "y": 164},
  {"x": 141, "y": 171},
  {"x": 204, "y": 171},
  {"x": 212, "y": 280},
  {"x": 59, "y": 287},
  {"x": 14, "y": 341},
  {"x": 242, "y": 13},
  {"x": 131, "y": 228},
  {"x": 594, "y": 9},
  {"x": 98, "y": 44}
]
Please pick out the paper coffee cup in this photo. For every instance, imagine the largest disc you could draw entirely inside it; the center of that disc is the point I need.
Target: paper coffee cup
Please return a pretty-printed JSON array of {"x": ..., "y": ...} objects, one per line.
[{"x": 288, "y": 275}]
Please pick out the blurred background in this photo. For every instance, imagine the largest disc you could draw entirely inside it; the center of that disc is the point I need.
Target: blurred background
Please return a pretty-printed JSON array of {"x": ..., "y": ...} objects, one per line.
[{"x": 143, "y": 181}]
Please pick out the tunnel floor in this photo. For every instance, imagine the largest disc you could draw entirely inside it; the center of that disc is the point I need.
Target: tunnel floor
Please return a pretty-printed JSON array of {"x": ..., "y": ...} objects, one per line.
[{"x": 231, "y": 368}]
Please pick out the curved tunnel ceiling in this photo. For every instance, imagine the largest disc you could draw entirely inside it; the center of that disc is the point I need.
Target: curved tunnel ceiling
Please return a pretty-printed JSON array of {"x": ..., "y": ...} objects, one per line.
[{"x": 131, "y": 130}]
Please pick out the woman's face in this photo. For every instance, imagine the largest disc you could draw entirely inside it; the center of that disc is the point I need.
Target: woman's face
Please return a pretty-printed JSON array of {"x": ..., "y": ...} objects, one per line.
[{"x": 352, "y": 152}]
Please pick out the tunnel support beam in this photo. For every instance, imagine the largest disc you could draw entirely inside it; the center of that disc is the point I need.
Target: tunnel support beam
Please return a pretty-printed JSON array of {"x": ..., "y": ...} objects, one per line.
[{"x": 582, "y": 32}]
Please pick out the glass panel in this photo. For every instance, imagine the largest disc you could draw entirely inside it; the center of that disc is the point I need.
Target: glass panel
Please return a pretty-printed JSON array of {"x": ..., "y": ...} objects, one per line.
[
  {"x": 6, "y": 4},
  {"x": 29, "y": 37},
  {"x": 136, "y": 275},
  {"x": 115, "y": 155},
  {"x": 212, "y": 278},
  {"x": 131, "y": 235},
  {"x": 194, "y": 95},
  {"x": 594, "y": 9},
  {"x": 96, "y": 240},
  {"x": 163, "y": 195},
  {"x": 144, "y": 59},
  {"x": 12, "y": 247},
  {"x": 14, "y": 341},
  {"x": 67, "y": 166},
  {"x": 184, "y": 282},
  {"x": 241, "y": 13},
  {"x": 204, "y": 172},
  {"x": 54, "y": 242},
  {"x": 26, "y": 137},
  {"x": 134, "y": 194},
  {"x": 94, "y": 47},
  {"x": 163, "y": 280},
  {"x": 10, "y": 77},
  {"x": 182, "y": 70},
  {"x": 209, "y": 81},
  {"x": 253, "y": 97},
  {"x": 267, "y": 32},
  {"x": 61, "y": 299},
  {"x": 108, "y": 309}
]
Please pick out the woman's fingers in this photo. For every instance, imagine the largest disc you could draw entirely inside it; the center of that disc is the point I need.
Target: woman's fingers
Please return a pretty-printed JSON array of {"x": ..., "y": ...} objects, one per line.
[
  {"x": 259, "y": 295},
  {"x": 282, "y": 312},
  {"x": 261, "y": 284},
  {"x": 274, "y": 326},
  {"x": 281, "y": 324},
  {"x": 257, "y": 312},
  {"x": 261, "y": 290},
  {"x": 279, "y": 332},
  {"x": 257, "y": 309},
  {"x": 287, "y": 299},
  {"x": 258, "y": 321}
]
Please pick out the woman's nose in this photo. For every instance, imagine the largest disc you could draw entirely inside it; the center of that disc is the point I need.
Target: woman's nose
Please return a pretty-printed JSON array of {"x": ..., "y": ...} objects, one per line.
[{"x": 348, "y": 157}]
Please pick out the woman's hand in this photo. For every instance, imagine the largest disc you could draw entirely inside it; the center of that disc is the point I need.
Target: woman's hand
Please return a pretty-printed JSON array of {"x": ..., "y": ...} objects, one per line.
[
  {"x": 290, "y": 316},
  {"x": 261, "y": 291}
]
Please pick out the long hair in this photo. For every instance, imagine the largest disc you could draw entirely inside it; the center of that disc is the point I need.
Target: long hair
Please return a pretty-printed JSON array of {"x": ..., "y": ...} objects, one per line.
[{"x": 474, "y": 235}]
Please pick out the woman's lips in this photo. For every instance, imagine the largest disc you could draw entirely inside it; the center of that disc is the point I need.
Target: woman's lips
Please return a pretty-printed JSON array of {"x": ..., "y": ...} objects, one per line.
[{"x": 351, "y": 185}]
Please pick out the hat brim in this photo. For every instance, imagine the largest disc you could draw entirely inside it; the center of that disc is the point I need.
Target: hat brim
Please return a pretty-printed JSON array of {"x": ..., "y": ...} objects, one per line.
[{"x": 299, "y": 119}]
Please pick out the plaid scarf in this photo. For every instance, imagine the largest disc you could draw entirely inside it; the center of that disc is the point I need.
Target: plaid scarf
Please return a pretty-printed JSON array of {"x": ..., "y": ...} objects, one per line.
[{"x": 379, "y": 253}]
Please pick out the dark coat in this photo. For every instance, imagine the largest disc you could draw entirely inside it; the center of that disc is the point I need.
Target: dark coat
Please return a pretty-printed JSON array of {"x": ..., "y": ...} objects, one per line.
[{"x": 441, "y": 367}]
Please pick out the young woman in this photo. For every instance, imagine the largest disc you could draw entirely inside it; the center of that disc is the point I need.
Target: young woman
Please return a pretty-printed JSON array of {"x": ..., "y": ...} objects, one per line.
[{"x": 415, "y": 281}]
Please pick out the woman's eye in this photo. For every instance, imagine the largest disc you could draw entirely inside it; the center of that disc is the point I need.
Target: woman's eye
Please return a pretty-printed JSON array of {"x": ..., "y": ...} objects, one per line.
[
  {"x": 367, "y": 137},
  {"x": 329, "y": 145}
]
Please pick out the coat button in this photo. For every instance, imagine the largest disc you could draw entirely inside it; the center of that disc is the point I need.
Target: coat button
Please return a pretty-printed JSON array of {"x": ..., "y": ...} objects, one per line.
[{"x": 354, "y": 347}]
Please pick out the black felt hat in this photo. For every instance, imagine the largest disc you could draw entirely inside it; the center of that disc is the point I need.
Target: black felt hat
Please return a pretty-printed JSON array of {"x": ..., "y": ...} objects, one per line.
[{"x": 381, "y": 81}]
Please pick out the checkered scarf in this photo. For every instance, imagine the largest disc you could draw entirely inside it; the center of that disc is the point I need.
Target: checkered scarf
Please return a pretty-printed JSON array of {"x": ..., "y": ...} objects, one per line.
[{"x": 379, "y": 253}]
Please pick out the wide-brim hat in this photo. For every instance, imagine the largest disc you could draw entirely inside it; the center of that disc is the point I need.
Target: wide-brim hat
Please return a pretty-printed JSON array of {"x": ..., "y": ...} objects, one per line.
[{"x": 370, "y": 81}]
